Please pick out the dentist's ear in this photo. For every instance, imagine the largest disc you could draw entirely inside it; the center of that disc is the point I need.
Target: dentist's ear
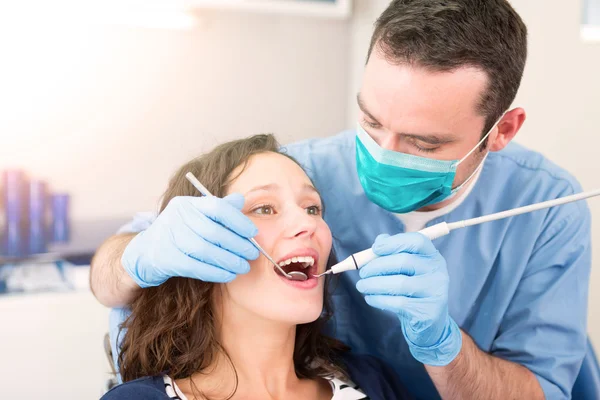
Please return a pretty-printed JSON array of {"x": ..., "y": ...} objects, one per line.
[{"x": 507, "y": 129}]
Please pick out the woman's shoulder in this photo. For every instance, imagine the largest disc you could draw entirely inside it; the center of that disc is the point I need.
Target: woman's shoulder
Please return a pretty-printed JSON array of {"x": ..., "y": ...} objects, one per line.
[
  {"x": 377, "y": 379},
  {"x": 150, "y": 388}
]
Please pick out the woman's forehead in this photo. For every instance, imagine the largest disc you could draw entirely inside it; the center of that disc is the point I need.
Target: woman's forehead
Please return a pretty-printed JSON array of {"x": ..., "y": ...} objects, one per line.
[{"x": 268, "y": 169}]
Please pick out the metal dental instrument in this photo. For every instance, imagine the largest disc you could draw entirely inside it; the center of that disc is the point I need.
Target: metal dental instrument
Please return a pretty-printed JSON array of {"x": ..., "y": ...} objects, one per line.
[
  {"x": 358, "y": 260},
  {"x": 293, "y": 275}
]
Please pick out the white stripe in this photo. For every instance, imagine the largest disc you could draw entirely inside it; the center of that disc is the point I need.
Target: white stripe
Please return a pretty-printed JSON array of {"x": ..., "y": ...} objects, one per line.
[{"x": 172, "y": 389}]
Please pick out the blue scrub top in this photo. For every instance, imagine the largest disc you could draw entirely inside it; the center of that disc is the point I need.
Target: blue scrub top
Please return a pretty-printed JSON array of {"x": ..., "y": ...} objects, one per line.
[{"x": 518, "y": 286}]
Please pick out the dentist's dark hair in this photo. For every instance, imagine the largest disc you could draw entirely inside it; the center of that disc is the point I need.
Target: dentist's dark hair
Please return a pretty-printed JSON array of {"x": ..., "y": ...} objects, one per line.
[
  {"x": 172, "y": 327},
  {"x": 443, "y": 35}
]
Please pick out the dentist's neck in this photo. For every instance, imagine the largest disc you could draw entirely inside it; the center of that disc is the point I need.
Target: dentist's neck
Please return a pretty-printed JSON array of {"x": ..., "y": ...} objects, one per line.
[{"x": 260, "y": 350}]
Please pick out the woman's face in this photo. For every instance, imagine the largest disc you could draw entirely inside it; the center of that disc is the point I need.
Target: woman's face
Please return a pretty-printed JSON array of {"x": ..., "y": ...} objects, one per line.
[{"x": 286, "y": 209}]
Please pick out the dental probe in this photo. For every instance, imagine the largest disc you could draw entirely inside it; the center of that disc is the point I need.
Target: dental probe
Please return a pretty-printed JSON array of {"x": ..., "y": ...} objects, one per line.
[
  {"x": 358, "y": 260},
  {"x": 293, "y": 275}
]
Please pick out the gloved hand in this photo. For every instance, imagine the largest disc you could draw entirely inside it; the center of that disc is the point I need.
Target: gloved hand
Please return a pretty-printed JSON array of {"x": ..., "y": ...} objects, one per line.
[
  {"x": 410, "y": 279},
  {"x": 204, "y": 238}
]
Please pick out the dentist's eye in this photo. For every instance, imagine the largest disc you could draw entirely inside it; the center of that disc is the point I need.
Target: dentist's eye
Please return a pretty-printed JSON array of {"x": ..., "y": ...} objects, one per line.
[
  {"x": 372, "y": 125},
  {"x": 314, "y": 210},
  {"x": 426, "y": 149},
  {"x": 264, "y": 210}
]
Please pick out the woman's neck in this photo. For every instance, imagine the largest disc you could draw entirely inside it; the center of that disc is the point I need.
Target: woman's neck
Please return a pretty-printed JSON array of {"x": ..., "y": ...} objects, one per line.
[{"x": 261, "y": 352}]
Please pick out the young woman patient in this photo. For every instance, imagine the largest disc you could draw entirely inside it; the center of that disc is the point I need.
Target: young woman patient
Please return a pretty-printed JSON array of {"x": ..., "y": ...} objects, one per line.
[{"x": 258, "y": 336}]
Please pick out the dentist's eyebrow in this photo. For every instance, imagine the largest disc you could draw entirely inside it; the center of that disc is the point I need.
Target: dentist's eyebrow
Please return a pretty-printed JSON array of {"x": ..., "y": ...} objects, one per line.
[
  {"x": 363, "y": 108},
  {"x": 430, "y": 139}
]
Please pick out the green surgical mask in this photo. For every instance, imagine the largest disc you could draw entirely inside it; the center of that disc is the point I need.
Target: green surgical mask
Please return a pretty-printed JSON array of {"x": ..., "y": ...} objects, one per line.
[{"x": 402, "y": 183}]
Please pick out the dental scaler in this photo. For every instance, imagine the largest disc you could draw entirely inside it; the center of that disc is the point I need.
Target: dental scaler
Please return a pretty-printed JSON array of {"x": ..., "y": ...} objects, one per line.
[{"x": 358, "y": 260}]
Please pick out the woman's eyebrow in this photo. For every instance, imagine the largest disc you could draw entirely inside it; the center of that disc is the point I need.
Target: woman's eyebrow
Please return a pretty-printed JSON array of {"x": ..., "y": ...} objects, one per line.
[
  {"x": 311, "y": 188},
  {"x": 271, "y": 187},
  {"x": 264, "y": 188}
]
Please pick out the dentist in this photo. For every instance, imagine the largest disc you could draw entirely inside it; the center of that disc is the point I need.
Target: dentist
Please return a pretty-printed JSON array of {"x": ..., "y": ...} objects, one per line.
[{"x": 494, "y": 311}]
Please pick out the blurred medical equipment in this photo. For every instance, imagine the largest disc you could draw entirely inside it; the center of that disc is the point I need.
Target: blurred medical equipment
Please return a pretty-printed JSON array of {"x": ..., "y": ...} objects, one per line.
[
  {"x": 358, "y": 260},
  {"x": 292, "y": 275},
  {"x": 28, "y": 225}
]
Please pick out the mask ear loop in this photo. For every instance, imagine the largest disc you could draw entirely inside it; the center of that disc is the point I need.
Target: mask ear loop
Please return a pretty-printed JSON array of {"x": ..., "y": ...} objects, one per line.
[
  {"x": 482, "y": 139},
  {"x": 479, "y": 167}
]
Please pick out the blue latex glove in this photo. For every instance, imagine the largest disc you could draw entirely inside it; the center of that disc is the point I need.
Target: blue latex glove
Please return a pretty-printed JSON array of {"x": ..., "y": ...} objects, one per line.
[
  {"x": 203, "y": 238},
  {"x": 410, "y": 279}
]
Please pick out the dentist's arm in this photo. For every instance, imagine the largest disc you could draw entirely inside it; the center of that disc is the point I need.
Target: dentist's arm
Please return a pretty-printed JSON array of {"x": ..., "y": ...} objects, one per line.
[
  {"x": 410, "y": 279},
  {"x": 474, "y": 374},
  {"x": 202, "y": 238},
  {"x": 109, "y": 281}
]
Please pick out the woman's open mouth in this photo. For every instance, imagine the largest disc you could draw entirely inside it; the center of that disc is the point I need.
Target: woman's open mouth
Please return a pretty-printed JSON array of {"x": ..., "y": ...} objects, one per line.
[{"x": 305, "y": 261}]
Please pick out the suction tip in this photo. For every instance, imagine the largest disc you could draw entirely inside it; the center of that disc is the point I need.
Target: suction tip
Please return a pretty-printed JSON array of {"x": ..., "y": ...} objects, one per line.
[{"x": 329, "y": 271}]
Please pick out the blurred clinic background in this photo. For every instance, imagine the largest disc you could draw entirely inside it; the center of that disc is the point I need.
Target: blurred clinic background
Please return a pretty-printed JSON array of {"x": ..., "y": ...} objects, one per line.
[{"x": 100, "y": 100}]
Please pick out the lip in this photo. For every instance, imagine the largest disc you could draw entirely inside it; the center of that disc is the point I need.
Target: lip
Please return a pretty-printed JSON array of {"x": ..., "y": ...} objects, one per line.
[{"x": 311, "y": 282}]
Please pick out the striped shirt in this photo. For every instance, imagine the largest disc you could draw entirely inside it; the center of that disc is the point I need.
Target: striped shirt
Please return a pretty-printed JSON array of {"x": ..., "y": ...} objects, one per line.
[{"x": 342, "y": 390}]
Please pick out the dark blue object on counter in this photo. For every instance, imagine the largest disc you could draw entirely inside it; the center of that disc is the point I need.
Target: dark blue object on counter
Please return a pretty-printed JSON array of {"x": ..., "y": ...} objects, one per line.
[
  {"x": 60, "y": 218},
  {"x": 15, "y": 200},
  {"x": 37, "y": 217}
]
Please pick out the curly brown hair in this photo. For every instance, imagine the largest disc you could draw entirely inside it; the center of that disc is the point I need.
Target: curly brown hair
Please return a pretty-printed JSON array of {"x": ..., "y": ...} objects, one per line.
[{"x": 172, "y": 327}]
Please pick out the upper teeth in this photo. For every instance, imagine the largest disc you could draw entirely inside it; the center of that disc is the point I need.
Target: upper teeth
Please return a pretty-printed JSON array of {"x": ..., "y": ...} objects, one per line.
[{"x": 307, "y": 261}]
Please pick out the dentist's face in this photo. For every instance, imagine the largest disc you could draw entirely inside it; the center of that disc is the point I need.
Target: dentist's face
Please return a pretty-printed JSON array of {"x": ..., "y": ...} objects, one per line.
[
  {"x": 413, "y": 110},
  {"x": 287, "y": 210}
]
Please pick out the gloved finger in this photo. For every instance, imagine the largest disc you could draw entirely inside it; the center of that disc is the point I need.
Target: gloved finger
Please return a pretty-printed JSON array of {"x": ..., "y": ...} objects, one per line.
[
  {"x": 237, "y": 200},
  {"x": 220, "y": 258},
  {"x": 382, "y": 236},
  {"x": 397, "y": 264},
  {"x": 202, "y": 250},
  {"x": 177, "y": 264},
  {"x": 395, "y": 304},
  {"x": 226, "y": 211},
  {"x": 219, "y": 236},
  {"x": 414, "y": 243},
  {"x": 395, "y": 285}
]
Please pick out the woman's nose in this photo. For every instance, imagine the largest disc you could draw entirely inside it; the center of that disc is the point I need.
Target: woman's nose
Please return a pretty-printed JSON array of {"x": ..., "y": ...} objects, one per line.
[{"x": 301, "y": 224}]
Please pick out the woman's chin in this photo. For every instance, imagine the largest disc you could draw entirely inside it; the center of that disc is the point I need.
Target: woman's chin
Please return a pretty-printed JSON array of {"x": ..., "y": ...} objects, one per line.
[
  {"x": 295, "y": 315},
  {"x": 306, "y": 316}
]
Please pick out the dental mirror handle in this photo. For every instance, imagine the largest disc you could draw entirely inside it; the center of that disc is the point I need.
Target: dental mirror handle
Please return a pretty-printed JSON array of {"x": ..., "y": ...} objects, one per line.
[{"x": 358, "y": 260}]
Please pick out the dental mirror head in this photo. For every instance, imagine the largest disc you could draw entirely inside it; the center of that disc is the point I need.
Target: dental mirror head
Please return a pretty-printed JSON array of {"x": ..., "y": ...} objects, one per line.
[
  {"x": 297, "y": 276},
  {"x": 292, "y": 275}
]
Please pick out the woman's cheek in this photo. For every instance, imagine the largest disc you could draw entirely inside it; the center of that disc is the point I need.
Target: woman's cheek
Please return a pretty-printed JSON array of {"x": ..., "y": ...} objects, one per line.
[
  {"x": 324, "y": 235},
  {"x": 267, "y": 235}
]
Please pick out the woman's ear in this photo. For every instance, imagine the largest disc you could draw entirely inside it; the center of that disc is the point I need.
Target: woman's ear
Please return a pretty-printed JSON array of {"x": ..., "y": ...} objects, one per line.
[{"x": 507, "y": 128}]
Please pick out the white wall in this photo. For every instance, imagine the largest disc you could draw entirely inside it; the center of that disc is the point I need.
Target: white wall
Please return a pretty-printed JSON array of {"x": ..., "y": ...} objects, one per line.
[
  {"x": 109, "y": 114},
  {"x": 52, "y": 346},
  {"x": 560, "y": 91}
]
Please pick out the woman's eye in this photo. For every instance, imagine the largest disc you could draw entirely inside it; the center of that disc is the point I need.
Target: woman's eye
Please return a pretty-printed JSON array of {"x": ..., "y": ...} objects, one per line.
[
  {"x": 264, "y": 210},
  {"x": 314, "y": 210}
]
